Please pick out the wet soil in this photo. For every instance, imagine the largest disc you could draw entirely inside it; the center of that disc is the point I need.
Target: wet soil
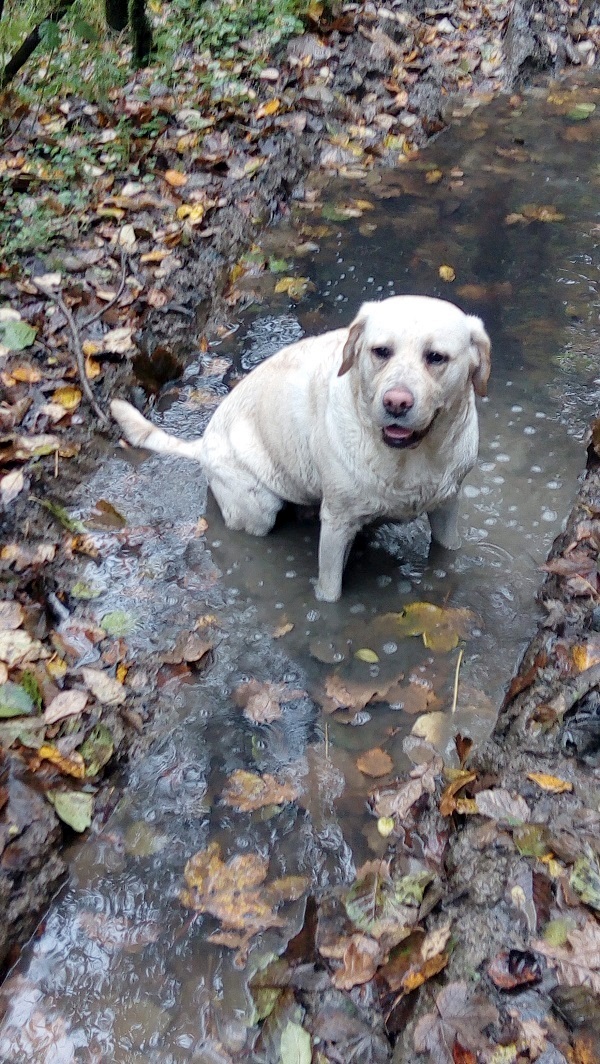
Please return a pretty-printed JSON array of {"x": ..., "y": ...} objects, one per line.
[{"x": 32, "y": 864}]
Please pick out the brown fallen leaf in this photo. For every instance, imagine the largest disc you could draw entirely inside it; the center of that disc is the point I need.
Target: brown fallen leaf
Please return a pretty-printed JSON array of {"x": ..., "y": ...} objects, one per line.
[
  {"x": 578, "y": 963},
  {"x": 105, "y": 688},
  {"x": 65, "y": 704},
  {"x": 458, "y": 1017},
  {"x": 262, "y": 702},
  {"x": 500, "y": 804},
  {"x": 375, "y": 762},
  {"x": 191, "y": 648},
  {"x": 235, "y": 892},
  {"x": 11, "y": 616},
  {"x": 360, "y": 960},
  {"x": 18, "y": 647},
  {"x": 396, "y": 800},
  {"x": 248, "y": 791},
  {"x": 448, "y": 800},
  {"x": 513, "y": 968}
]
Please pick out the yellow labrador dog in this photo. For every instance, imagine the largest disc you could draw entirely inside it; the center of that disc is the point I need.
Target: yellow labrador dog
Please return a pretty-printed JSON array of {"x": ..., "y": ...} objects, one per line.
[{"x": 377, "y": 421}]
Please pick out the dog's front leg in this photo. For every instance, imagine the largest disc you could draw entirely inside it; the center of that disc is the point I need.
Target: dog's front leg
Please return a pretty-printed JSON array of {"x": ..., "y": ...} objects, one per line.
[
  {"x": 335, "y": 541},
  {"x": 444, "y": 523}
]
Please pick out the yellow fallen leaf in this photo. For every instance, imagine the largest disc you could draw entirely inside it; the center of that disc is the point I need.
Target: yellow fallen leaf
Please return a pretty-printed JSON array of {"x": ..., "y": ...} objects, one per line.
[
  {"x": 93, "y": 369},
  {"x": 553, "y": 784},
  {"x": 91, "y": 347},
  {"x": 433, "y": 176},
  {"x": 71, "y": 766},
  {"x": 385, "y": 826},
  {"x": 270, "y": 107},
  {"x": 447, "y": 273},
  {"x": 68, "y": 397},
  {"x": 176, "y": 178},
  {"x": 155, "y": 256},
  {"x": 585, "y": 655},
  {"x": 546, "y": 213},
  {"x": 57, "y": 667},
  {"x": 26, "y": 374},
  {"x": 364, "y": 654},
  {"x": 192, "y": 214},
  {"x": 295, "y": 287}
]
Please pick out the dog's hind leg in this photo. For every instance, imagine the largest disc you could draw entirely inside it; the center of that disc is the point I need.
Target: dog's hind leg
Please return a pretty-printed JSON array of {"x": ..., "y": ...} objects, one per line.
[{"x": 246, "y": 505}]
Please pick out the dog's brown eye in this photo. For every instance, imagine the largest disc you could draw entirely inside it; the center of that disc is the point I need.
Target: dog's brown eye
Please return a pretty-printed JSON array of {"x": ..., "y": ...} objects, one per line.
[
  {"x": 382, "y": 352},
  {"x": 435, "y": 358}
]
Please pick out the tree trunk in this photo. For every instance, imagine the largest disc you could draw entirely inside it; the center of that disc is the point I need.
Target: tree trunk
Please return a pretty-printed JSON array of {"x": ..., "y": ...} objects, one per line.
[
  {"x": 116, "y": 13},
  {"x": 30, "y": 44},
  {"x": 141, "y": 31}
]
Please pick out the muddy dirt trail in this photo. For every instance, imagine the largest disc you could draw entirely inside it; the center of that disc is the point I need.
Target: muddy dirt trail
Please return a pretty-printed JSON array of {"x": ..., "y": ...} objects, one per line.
[{"x": 343, "y": 752}]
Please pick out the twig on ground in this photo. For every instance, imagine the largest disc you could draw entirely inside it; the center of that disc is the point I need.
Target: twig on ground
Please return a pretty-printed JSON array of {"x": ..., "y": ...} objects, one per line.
[
  {"x": 115, "y": 299},
  {"x": 455, "y": 693},
  {"x": 56, "y": 296}
]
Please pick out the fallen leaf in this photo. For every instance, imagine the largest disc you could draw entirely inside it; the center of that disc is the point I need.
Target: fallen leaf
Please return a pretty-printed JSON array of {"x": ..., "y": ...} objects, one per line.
[
  {"x": 447, "y": 273},
  {"x": 433, "y": 176},
  {"x": 18, "y": 647},
  {"x": 386, "y": 906},
  {"x": 375, "y": 762},
  {"x": 68, "y": 397},
  {"x": 65, "y": 704},
  {"x": 270, "y": 107},
  {"x": 15, "y": 701},
  {"x": 294, "y": 287},
  {"x": 175, "y": 178},
  {"x": 282, "y": 629},
  {"x": 585, "y": 879},
  {"x": 70, "y": 766},
  {"x": 75, "y": 808},
  {"x": 459, "y": 1016},
  {"x": 248, "y": 791},
  {"x": 397, "y": 799},
  {"x": 499, "y": 804},
  {"x": 448, "y": 803},
  {"x": 578, "y": 963},
  {"x": 369, "y": 656},
  {"x": 17, "y": 335},
  {"x": 441, "y": 628},
  {"x": 550, "y": 783},
  {"x": 97, "y": 750},
  {"x": 295, "y": 1045},
  {"x": 537, "y": 213},
  {"x": 190, "y": 648},
  {"x": 117, "y": 623},
  {"x": 360, "y": 960},
  {"x": 105, "y": 688},
  {"x": 10, "y": 486},
  {"x": 235, "y": 891},
  {"x": 11, "y": 616},
  {"x": 515, "y": 967},
  {"x": 262, "y": 702}
]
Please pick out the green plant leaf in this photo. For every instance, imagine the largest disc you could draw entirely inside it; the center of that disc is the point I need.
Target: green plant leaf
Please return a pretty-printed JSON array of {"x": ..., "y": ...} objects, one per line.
[
  {"x": 15, "y": 701},
  {"x": 17, "y": 335},
  {"x": 97, "y": 749},
  {"x": 75, "y": 808},
  {"x": 49, "y": 35},
  {"x": 117, "y": 623}
]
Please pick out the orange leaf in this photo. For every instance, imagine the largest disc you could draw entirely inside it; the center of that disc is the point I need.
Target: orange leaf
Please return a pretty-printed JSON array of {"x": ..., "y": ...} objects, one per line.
[
  {"x": 175, "y": 178},
  {"x": 375, "y": 762},
  {"x": 553, "y": 784},
  {"x": 71, "y": 766},
  {"x": 270, "y": 107}
]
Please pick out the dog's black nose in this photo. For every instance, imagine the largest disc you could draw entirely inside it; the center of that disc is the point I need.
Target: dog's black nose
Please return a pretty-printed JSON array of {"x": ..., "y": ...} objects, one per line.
[{"x": 398, "y": 401}]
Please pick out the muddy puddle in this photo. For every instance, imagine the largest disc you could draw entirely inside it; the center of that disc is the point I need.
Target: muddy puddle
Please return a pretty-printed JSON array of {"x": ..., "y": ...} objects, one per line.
[{"x": 508, "y": 200}]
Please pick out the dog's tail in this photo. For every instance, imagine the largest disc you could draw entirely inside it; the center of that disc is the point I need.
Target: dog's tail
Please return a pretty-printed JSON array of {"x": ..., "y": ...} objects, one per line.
[{"x": 142, "y": 433}]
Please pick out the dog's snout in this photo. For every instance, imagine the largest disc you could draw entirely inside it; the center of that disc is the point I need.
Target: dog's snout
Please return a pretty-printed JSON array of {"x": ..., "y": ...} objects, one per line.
[{"x": 398, "y": 401}]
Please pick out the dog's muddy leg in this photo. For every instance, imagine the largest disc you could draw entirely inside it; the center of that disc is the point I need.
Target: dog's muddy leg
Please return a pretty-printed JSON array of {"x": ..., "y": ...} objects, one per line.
[
  {"x": 444, "y": 524},
  {"x": 334, "y": 547}
]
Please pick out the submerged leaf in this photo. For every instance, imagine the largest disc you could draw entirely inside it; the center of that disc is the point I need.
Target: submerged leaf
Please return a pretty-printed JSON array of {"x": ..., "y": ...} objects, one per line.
[{"x": 14, "y": 701}]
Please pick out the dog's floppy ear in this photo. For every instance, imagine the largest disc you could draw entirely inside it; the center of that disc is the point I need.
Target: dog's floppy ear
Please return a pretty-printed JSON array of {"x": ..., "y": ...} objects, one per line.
[
  {"x": 481, "y": 367},
  {"x": 350, "y": 352}
]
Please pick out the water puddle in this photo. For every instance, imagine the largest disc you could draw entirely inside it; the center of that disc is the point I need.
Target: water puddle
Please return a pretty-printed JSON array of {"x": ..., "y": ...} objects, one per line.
[{"x": 121, "y": 970}]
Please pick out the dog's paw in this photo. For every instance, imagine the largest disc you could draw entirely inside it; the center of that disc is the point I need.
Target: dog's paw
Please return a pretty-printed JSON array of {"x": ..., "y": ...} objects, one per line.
[
  {"x": 327, "y": 594},
  {"x": 135, "y": 427}
]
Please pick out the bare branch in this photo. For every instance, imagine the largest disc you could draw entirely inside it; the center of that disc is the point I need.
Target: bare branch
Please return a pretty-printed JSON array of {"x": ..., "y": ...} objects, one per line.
[{"x": 30, "y": 44}]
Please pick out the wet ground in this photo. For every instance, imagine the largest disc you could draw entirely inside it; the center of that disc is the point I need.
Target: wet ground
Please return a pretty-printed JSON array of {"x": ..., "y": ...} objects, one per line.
[{"x": 120, "y": 971}]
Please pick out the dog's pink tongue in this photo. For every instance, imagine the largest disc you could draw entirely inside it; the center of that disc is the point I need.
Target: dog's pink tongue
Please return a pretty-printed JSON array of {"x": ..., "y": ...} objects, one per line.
[{"x": 396, "y": 432}]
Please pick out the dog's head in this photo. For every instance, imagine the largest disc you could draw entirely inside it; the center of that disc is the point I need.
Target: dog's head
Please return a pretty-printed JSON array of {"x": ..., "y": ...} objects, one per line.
[{"x": 415, "y": 357}]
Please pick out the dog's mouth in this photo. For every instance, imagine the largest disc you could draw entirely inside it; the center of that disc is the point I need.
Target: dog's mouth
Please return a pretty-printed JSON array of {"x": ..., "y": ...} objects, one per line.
[{"x": 398, "y": 436}]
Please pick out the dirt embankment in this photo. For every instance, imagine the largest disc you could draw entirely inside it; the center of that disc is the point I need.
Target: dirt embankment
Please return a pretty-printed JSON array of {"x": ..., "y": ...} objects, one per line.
[{"x": 138, "y": 283}]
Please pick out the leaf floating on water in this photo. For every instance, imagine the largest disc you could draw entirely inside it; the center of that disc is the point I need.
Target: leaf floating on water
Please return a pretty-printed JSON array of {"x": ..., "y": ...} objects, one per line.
[
  {"x": 375, "y": 762},
  {"x": 248, "y": 791},
  {"x": 433, "y": 176},
  {"x": 262, "y": 702},
  {"x": 117, "y": 623},
  {"x": 105, "y": 515},
  {"x": 581, "y": 111},
  {"x": 447, "y": 273},
  {"x": 364, "y": 654},
  {"x": 294, "y": 287},
  {"x": 75, "y": 808},
  {"x": 440, "y": 627},
  {"x": 536, "y": 213}
]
